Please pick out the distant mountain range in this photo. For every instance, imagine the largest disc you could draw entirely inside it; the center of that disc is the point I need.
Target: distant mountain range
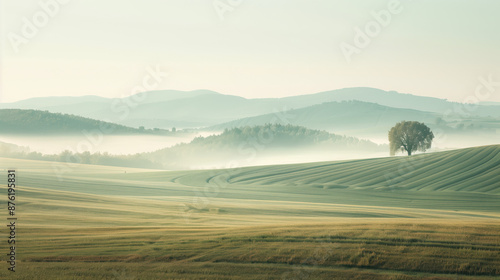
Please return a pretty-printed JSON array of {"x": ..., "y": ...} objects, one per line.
[{"x": 202, "y": 108}]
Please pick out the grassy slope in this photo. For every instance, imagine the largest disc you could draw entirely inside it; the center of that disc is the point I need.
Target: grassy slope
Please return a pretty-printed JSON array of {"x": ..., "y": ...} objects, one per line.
[
  {"x": 263, "y": 220},
  {"x": 471, "y": 170}
]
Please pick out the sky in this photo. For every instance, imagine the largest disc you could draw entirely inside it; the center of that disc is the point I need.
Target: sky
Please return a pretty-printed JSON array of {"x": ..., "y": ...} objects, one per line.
[{"x": 253, "y": 49}]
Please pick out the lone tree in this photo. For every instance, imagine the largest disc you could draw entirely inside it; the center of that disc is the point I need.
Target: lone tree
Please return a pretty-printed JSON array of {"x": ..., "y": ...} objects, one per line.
[{"x": 410, "y": 136}]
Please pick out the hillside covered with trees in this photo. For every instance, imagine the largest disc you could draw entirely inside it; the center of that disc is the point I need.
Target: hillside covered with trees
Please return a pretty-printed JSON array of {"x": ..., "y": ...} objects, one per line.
[
  {"x": 257, "y": 144},
  {"x": 18, "y": 121}
]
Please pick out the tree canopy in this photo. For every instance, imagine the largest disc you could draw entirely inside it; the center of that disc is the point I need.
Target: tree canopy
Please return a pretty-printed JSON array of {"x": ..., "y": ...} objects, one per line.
[{"x": 410, "y": 136}]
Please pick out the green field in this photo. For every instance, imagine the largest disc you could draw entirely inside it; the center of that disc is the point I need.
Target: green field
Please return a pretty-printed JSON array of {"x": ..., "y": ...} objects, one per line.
[{"x": 428, "y": 216}]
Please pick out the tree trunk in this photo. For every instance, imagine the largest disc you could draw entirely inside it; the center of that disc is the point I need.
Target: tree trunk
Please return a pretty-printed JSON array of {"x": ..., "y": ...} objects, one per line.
[{"x": 409, "y": 152}]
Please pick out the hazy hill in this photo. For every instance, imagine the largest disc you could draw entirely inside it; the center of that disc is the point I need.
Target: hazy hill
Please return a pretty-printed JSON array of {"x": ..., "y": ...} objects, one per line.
[
  {"x": 265, "y": 144},
  {"x": 168, "y": 108},
  {"x": 17, "y": 121},
  {"x": 348, "y": 117}
]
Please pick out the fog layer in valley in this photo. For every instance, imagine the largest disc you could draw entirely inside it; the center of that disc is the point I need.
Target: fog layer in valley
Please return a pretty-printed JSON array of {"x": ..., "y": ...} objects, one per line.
[
  {"x": 113, "y": 144},
  {"x": 248, "y": 150}
]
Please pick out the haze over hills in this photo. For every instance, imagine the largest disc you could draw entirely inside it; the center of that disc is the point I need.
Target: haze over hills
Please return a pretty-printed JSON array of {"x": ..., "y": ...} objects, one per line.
[
  {"x": 243, "y": 146},
  {"x": 168, "y": 108}
]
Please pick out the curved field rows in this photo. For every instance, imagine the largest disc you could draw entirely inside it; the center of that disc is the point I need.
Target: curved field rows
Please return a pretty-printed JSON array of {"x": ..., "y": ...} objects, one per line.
[{"x": 467, "y": 170}]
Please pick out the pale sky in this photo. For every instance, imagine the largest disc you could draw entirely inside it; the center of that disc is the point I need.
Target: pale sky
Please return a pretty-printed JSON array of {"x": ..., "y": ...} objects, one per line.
[{"x": 261, "y": 48}]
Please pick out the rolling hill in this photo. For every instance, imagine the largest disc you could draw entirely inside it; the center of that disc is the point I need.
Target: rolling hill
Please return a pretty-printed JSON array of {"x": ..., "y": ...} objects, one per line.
[
  {"x": 472, "y": 170},
  {"x": 461, "y": 183},
  {"x": 18, "y": 121},
  {"x": 165, "y": 109}
]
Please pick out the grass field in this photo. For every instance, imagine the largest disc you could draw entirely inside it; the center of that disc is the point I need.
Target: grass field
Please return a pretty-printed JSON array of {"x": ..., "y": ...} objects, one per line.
[{"x": 429, "y": 216}]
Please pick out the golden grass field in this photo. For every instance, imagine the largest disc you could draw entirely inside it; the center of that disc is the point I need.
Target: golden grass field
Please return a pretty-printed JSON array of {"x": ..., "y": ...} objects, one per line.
[{"x": 430, "y": 216}]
